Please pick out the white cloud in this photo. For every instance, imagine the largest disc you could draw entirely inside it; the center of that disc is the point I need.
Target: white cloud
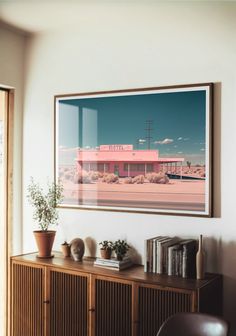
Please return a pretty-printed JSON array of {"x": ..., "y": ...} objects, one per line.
[
  {"x": 141, "y": 141},
  {"x": 184, "y": 139},
  {"x": 180, "y": 152},
  {"x": 202, "y": 149},
  {"x": 164, "y": 142}
]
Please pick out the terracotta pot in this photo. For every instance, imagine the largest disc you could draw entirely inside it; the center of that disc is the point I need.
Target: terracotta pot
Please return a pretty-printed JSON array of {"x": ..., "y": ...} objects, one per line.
[
  {"x": 44, "y": 240},
  {"x": 65, "y": 250},
  {"x": 106, "y": 253}
]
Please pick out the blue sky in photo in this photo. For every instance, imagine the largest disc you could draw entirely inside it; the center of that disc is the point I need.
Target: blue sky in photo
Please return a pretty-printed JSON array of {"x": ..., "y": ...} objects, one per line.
[{"x": 178, "y": 122}]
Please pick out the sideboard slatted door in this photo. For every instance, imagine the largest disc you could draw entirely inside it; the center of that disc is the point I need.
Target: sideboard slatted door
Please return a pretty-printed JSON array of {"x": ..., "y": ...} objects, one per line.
[
  {"x": 27, "y": 300},
  {"x": 113, "y": 308},
  {"x": 68, "y": 304},
  {"x": 157, "y": 304}
]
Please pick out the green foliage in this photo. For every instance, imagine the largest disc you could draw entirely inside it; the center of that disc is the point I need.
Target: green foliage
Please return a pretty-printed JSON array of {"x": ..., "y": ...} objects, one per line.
[
  {"x": 106, "y": 245},
  {"x": 189, "y": 164},
  {"x": 45, "y": 212},
  {"x": 120, "y": 247}
]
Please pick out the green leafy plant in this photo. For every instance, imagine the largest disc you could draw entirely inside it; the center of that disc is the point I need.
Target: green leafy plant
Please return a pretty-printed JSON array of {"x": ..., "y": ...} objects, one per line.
[
  {"x": 120, "y": 247},
  {"x": 45, "y": 212},
  {"x": 106, "y": 245}
]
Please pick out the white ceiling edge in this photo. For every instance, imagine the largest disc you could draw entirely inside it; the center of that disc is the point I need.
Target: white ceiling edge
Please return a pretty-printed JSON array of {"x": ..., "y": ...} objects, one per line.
[{"x": 32, "y": 16}]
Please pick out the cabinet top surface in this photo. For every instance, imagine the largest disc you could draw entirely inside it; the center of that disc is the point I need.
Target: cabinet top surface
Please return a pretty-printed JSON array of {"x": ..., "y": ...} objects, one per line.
[{"x": 134, "y": 273}]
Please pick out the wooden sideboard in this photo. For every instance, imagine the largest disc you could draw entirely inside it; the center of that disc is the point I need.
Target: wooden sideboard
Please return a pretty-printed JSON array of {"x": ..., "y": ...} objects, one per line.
[{"x": 61, "y": 297}]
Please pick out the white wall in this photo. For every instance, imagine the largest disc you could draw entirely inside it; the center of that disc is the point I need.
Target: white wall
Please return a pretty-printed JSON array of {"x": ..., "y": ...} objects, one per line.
[
  {"x": 12, "y": 56},
  {"x": 120, "y": 46}
]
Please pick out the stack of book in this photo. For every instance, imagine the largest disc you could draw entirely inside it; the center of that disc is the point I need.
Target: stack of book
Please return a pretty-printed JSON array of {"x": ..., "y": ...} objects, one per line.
[
  {"x": 113, "y": 263},
  {"x": 170, "y": 255}
]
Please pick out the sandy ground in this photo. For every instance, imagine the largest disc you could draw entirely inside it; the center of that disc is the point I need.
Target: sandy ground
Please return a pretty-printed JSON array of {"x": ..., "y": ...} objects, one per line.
[{"x": 179, "y": 195}]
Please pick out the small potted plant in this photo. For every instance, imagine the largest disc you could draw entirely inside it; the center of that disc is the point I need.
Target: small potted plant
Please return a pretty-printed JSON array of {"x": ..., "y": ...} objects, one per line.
[
  {"x": 65, "y": 247},
  {"x": 106, "y": 249},
  {"x": 45, "y": 213},
  {"x": 120, "y": 247}
]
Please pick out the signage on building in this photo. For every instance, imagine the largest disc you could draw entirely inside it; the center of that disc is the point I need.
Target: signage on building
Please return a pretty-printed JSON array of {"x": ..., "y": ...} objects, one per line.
[{"x": 116, "y": 147}]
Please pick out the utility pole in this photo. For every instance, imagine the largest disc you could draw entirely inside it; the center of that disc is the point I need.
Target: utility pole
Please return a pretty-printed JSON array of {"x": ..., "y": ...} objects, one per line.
[{"x": 148, "y": 129}]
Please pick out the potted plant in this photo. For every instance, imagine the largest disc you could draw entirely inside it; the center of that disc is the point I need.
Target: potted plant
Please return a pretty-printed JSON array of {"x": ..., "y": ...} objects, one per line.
[
  {"x": 106, "y": 249},
  {"x": 45, "y": 213},
  {"x": 65, "y": 247},
  {"x": 120, "y": 247}
]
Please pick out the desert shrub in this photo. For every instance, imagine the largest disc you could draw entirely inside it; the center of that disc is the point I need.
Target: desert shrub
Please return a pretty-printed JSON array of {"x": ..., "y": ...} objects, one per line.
[
  {"x": 110, "y": 178},
  {"x": 164, "y": 180},
  {"x": 203, "y": 175},
  {"x": 94, "y": 175},
  {"x": 104, "y": 177},
  {"x": 157, "y": 178},
  {"x": 68, "y": 176},
  {"x": 128, "y": 180},
  {"x": 82, "y": 177},
  {"x": 139, "y": 179}
]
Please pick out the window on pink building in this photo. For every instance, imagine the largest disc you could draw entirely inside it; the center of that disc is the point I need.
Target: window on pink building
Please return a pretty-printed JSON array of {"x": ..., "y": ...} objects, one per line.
[
  {"x": 101, "y": 167},
  {"x": 138, "y": 167}
]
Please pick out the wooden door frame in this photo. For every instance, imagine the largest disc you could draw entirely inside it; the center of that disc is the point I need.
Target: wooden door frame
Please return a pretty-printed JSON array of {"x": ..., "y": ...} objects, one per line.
[{"x": 8, "y": 186}]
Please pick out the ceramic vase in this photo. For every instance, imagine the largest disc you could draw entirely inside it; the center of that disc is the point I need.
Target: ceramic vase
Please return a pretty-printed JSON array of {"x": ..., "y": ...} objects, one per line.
[
  {"x": 200, "y": 259},
  {"x": 77, "y": 249}
]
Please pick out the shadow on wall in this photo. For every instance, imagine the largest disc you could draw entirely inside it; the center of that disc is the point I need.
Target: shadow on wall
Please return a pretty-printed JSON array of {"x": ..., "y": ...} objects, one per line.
[
  {"x": 212, "y": 248},
  {"x": 135, "y": 255},
  {"x": 227, "y": 261},
  {"x": 221, "y": 258}
]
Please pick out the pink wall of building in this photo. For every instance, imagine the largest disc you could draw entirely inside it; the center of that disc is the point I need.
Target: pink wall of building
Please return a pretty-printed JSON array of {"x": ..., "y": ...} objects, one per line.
[{"x": 122, "y": 160}]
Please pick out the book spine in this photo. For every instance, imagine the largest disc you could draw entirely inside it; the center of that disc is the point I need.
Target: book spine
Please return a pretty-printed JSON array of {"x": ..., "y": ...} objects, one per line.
[
  {"x": 170, "y": 261},
  {"x": 154, "y": 252},
  {"x": 101, "y": 262},
  {"x": 184, "y": 262},
  {"x": 145, "y": 257},
  {"x": 158, "y": 258},
  {"x": 107, "y": 262},
  {"x": 180, "y": 257},
  {"x": 150, "y": 256},
  {"x": 113, "y": 261}
]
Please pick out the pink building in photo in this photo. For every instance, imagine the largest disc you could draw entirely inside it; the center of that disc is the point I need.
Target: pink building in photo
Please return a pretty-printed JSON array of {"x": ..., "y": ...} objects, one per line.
[{"x": 124, "y": 161}]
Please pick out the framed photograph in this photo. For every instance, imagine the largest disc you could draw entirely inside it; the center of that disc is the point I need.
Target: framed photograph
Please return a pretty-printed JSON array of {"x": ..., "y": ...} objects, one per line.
[{"x": 142, "y": 150}]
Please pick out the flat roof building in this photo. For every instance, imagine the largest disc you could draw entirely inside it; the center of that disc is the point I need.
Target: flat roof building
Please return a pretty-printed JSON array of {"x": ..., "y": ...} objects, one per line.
[{"x": 124, "y": 161}]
